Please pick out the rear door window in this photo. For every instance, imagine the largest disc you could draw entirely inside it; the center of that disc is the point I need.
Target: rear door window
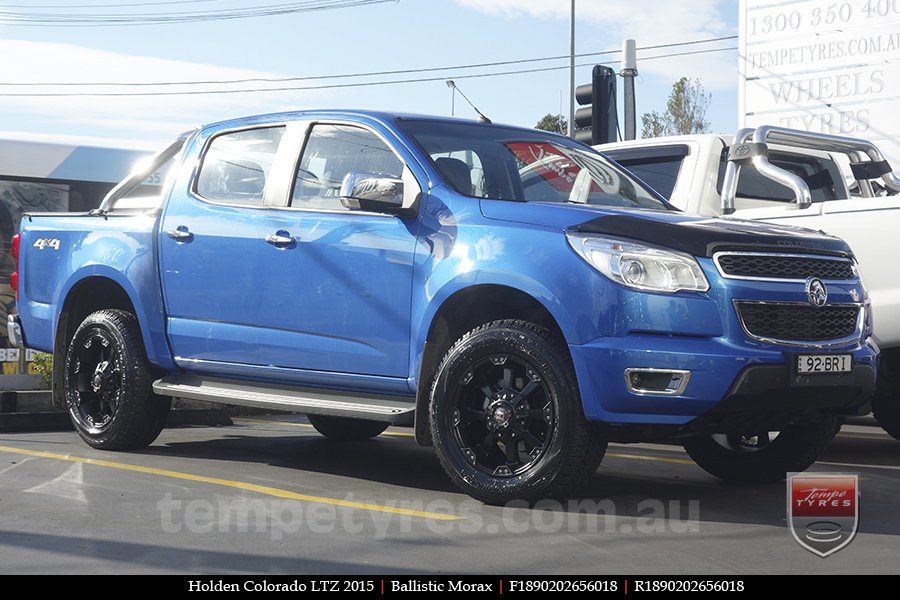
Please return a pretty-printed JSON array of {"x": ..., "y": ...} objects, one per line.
[{"x": 236, "y": 166}]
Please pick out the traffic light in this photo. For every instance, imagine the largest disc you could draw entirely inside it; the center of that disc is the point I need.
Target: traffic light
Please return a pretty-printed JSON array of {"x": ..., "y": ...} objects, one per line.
[{"x": 596, "y": 121}]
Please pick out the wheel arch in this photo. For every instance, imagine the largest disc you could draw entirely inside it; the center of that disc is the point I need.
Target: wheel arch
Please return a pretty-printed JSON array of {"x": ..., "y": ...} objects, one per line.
[
  {"x": 464, "y": 310},
  {"x": 95, "y": 290}
]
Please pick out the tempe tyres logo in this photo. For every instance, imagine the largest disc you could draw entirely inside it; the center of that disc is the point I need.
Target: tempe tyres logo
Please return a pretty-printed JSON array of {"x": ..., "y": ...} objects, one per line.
[{"x": 823, "y": 511}]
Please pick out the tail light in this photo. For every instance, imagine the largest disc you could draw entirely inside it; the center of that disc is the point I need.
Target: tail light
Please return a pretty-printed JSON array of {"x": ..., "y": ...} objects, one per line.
[{"x": 14, "y": 278}]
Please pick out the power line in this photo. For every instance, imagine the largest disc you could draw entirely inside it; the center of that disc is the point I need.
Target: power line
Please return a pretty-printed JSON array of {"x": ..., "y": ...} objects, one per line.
[
  {"x": 334, "y": 85},
  {"x": 116, "y": 5},
  {"x": 37, "y": 19},
  {"x": 353, "y": 75}
]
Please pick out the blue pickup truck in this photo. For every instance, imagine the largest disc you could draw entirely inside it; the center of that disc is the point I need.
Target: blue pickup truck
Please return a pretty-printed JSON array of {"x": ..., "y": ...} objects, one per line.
[{"x": 512, "y": 295}]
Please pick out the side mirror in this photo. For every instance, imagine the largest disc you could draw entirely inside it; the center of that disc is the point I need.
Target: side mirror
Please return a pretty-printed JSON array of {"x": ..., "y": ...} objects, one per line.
[{"x": 363, "y": 190}]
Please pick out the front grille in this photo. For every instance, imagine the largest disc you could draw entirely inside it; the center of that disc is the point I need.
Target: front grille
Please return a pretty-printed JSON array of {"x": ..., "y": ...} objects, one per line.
[
  {"x": 798, "y": 322},
  {"x": 777, "y": 266}
]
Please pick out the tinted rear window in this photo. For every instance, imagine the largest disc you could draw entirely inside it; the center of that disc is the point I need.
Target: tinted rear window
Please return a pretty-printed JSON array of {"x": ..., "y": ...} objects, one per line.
[{"x": 660, "y": 173}]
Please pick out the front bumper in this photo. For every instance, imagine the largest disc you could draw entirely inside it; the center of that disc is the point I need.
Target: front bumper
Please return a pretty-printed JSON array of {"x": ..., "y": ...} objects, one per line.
[
  {"x": 763, "y": 399},
  {"x": 14, "y": 331},
  {"x": 725, "y": 377}
]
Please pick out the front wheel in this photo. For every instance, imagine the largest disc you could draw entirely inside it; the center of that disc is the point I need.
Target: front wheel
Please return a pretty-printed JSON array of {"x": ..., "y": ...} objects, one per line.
[
  {"x": 506, "y": 416},
  {"x": 108, "y": 384},
  {"x": 763, "y": 456}
]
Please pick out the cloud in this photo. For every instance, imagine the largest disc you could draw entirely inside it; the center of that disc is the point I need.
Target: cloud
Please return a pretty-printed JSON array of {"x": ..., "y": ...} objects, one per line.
[
  {"x": 151, "y": 117},
  {"x": 650, "y": 23}
]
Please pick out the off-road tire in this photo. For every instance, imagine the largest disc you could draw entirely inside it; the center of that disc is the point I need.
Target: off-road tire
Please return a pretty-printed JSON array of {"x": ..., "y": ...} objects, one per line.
[
  {"x": 133, "y": 415},
  {"x": 886, "y": 410},
  {"x": 572, "y": 447}
]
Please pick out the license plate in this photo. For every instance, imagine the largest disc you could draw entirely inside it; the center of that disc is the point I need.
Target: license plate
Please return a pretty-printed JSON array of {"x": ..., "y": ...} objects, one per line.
[{"x": 814, "y": 364}]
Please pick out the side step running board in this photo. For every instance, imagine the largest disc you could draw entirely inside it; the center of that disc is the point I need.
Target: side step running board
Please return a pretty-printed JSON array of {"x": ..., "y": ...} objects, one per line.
[{"x": 390, "y": 409}]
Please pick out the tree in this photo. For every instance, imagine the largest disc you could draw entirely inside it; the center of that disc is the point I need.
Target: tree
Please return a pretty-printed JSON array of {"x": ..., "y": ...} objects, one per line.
[
  {"x": 554, "y": 123},
  {"x": 685, "y": 111}
]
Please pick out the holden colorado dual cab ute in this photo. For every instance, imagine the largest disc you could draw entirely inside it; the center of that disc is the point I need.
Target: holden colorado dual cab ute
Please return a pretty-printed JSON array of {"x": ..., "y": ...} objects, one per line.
[
  {"x": 509, "y": 293},
  {"x": 796, "y": 177}
]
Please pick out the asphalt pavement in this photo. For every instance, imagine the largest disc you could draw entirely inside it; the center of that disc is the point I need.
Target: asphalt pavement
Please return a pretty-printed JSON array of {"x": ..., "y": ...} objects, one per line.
[{"x": 270, "y": 495}]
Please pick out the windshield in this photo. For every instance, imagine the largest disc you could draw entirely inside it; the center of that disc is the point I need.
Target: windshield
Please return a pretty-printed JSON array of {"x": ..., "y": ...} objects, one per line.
[{"x": 501, "y": 163}]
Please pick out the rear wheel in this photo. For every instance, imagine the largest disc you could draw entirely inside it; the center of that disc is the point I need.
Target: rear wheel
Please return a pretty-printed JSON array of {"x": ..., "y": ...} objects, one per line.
[
  {"x": 108, "y": 384},
  {"x": 763, "y": 456},
  {"x": 346, "y": 430},
  {"x": 506, "y": 416}
]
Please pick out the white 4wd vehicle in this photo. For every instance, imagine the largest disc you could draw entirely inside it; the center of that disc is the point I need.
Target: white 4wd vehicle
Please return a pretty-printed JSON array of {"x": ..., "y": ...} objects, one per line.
[{"x": 794, "y": 177}]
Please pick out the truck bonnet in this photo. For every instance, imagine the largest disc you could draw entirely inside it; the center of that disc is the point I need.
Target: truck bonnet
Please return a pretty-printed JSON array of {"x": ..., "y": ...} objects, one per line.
[{"x": 698, "y": 236}]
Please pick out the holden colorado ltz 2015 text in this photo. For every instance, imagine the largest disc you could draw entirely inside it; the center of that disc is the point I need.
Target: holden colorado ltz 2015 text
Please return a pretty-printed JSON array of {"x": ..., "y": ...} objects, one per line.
[{"x": 510, "y": 294}]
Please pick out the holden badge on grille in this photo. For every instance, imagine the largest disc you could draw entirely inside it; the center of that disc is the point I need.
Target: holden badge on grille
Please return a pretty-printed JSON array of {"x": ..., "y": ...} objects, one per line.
[{"x": 816, "y": 292}]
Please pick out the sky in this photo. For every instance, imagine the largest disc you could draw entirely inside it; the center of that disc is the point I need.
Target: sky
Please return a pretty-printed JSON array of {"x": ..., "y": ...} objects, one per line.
[{"x": 315, "y": 46}]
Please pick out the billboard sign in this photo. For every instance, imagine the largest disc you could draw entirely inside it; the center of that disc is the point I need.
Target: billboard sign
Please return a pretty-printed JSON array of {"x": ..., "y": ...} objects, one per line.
[{"x": 822, "y": 66}]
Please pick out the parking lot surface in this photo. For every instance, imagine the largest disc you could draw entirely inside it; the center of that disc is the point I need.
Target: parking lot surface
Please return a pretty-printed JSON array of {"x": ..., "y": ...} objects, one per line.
[{"x": 269, "y": 494}]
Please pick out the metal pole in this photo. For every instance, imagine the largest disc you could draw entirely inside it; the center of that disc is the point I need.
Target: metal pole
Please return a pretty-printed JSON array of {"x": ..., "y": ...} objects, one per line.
[
  {"x": 630, "y": 124},
  {"x": 628, "y": 72},
  {"x": 23, "y": 363},
  {"x": 630, "y": 121},
  {"x": 571, "y": 128}
]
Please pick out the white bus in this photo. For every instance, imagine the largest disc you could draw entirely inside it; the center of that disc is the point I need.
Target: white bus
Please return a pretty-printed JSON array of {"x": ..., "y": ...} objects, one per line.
[{"x": 48, "y": 173}]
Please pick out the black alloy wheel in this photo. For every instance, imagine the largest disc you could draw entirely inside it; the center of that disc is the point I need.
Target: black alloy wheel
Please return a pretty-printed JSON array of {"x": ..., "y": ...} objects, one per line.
[
  {"x": 502, "y": 417},
  {"x": 96, "y": 372},
  {"x": 109, "y": 383}
]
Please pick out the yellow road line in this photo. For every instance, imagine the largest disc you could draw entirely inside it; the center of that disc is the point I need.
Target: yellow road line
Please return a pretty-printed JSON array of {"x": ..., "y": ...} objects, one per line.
[
  {"x": 240, "y": 485},
  {"x": 858, "y": 465},
  {"x": 308, "y": 426},
  {"x": 677, "y": 461}
]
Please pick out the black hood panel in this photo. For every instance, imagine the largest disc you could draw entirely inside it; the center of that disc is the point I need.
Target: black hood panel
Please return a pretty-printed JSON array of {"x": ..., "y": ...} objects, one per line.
[{"x": 708, "y": 236}]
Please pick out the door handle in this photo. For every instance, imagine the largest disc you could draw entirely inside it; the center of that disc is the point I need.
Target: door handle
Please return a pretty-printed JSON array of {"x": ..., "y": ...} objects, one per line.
[
  {"x": 280, "y": 239},
  {"x": 180, "y": 234}
]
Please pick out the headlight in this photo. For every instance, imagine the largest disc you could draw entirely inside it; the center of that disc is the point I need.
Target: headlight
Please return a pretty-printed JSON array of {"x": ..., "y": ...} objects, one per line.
[{"x": 640, "y": 267}]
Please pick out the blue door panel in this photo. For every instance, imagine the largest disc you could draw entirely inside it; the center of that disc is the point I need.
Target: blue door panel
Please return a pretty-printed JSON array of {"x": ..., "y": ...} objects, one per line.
[
  {"x": 269, "y": 346},
  {"x": 209, "y": 279},
  {"x": 344, "y": 288},
  {"x": 336, "y": 300}
]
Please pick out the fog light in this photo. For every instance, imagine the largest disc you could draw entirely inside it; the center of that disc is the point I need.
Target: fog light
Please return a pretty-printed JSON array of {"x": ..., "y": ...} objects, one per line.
[{"x": 667, "y": 382}]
